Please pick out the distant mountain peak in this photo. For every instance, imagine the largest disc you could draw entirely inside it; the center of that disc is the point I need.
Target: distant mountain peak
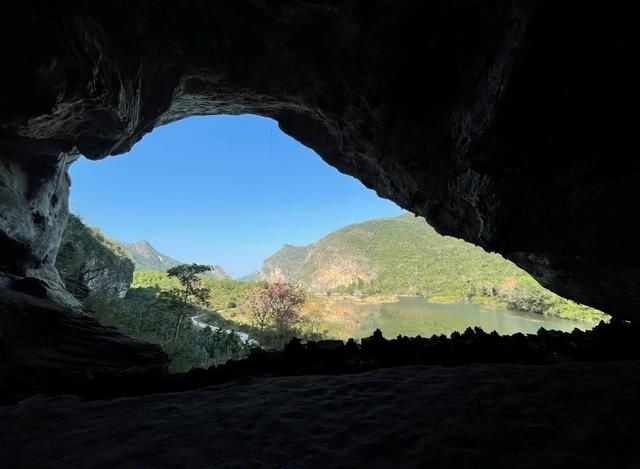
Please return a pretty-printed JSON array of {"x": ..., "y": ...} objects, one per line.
[
  {"x": 285, "y": 264},
  {"x": 146, "y": 257},
  {"x": 250, "y": 277}
]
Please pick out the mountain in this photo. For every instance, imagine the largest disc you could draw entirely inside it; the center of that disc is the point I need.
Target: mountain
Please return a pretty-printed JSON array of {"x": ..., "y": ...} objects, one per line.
[
  {"x": 285, "y": 264},
  {"x": 399, "y": 255},
  {"x": 250, "y": 277},
  {"x": 146, "y": 257},
  {"x": 218, "y": 273}
]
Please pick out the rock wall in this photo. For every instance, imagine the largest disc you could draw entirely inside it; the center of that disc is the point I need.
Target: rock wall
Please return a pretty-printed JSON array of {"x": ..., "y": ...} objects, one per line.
[
  {"x": 89, "y": 263},
  {"x": 34, "y": 195},
  {"x": 502, "y": 122},
  {"x": 44, "y": 344},
  {"x": 285, "y": 264}
]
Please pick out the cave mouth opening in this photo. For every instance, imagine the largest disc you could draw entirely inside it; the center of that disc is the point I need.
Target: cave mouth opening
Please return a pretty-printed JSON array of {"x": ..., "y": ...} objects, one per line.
[{"x": 236, "y": 193}]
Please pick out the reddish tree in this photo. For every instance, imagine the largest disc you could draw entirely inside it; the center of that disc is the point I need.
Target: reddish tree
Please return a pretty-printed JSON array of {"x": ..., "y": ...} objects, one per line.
[
  {"x": 508, "y": 286},
  {"x": 276, "y": 306}
]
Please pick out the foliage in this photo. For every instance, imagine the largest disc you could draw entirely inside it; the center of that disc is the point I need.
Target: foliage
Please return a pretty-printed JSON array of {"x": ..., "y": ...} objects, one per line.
[
  {"x": 253, "y": 304},
  {"x": 276, "y": 307},
  {"x": 404, "y": 255},
  {"x": 223, "y": 294},
  {"x": 158, "y": 301},
  {"x": 146, "y": 314},
  {"x": 312, "y": 325},
  {"x": 527, "y": 295},
  {"x": 191, "y": 291},
  {"x": 89, "y": 261}
]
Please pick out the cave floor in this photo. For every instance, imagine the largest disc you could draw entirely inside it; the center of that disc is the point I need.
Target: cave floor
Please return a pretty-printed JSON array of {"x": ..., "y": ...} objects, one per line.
[{"x": 570, "y": 415}]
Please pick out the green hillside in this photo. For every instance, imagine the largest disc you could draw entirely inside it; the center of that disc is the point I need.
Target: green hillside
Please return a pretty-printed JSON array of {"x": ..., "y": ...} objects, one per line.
[
  {"x": 225, "y": 293},
  {"x": 403, "y": 255},
  {"x": 91, "y": 263}
]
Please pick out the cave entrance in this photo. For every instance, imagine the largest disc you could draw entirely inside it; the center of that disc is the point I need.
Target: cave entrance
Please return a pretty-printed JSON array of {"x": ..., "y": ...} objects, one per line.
[{"x": 236, "y": 193}]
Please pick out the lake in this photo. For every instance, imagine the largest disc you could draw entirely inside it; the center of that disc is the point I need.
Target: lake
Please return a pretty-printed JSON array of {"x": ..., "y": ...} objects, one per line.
[{"x": 413, "y": 316}]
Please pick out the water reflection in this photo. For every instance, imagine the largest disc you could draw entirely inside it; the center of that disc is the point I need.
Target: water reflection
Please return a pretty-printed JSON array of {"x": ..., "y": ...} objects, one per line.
[{"x": 415, "y": 316}]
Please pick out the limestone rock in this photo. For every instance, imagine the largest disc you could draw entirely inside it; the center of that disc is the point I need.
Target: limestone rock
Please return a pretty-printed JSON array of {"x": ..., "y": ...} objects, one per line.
[
  {"x": 42, "y": 343},
  {"x": 502, "y": 122},
  {"x": 88, "y": 262}
]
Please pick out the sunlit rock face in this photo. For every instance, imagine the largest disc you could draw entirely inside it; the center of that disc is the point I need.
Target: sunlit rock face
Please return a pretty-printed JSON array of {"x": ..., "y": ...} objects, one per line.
[
  {"x": 502, "y": 123},
  {"x": 89, "y": 263}
]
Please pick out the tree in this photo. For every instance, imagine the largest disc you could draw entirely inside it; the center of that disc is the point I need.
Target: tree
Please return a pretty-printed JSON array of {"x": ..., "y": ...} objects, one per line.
[
  {"x": 143, "y": 305},
  {"x": 255, "y": 305},
  {"x": 277, "y": 306},
  {"x": 192, "y": 291},
  {"x": 312, "y": 325}
]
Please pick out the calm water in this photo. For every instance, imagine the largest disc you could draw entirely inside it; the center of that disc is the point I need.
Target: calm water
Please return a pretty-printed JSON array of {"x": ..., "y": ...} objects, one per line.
[{"x": 416, "y": 316}]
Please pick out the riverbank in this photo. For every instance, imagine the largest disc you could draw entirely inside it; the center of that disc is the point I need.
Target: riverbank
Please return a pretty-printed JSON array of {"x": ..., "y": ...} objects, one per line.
[
  {"x": 415, "y": 316},
  {"x": 357, "y": 299},
  {"x": 344, "y": 316},
  {"x": 571, "y": 311}
]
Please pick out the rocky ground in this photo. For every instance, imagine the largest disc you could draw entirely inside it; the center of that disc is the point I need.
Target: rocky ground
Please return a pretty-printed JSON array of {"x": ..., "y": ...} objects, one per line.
[{"x": 566, "y": 415}]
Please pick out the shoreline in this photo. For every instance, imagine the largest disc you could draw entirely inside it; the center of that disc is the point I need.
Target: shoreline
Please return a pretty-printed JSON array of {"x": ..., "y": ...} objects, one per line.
[{"x": 488, "y": 302}]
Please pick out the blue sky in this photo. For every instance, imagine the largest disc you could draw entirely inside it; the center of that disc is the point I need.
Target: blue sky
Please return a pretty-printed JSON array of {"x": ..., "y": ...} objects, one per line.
[{"x": 228, "y": 190}]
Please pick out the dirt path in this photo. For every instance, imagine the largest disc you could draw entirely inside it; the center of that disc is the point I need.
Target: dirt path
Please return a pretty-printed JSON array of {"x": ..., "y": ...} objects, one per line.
[{"x": 244, "y": 338}]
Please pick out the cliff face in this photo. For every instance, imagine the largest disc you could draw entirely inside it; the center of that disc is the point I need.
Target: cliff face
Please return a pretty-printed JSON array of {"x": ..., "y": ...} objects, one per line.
[
  {"x": 90, "y": 263},
  {"x": 285, "y": 264}
]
